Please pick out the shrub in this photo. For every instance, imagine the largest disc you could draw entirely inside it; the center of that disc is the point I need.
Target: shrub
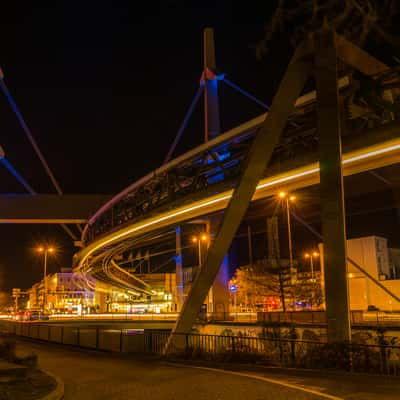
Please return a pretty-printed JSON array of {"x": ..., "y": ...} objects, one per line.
[
  {"x": 7, "y": 349},
  {"x": 30, "y": 360},
  {"x": 7, "y": 352},
  {"x": 328, "y": 355}
]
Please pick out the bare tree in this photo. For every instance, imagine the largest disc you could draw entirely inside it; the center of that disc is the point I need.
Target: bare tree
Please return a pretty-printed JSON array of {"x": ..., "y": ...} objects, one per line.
[{"x": 357, "y": 20}]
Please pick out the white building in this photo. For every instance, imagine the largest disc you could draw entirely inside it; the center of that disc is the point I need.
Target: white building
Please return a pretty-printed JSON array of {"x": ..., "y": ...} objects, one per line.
[{"x": 372, "y": 254}]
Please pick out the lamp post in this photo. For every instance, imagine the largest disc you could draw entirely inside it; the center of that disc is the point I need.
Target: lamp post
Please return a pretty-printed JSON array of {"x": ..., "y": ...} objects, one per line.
[
  {"x": 287, "y": 199},
  {"x": 311, "y": 256},
  {"x": 45, "y": 250}
]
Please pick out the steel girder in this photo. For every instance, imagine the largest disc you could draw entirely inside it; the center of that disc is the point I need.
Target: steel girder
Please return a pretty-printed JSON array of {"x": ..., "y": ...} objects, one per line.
[{"x": 254, "y": 167}]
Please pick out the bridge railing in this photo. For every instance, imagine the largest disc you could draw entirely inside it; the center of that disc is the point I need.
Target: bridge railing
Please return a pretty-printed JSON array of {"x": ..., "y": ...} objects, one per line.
[
  {"x": 199, "y": 170},
  {"x": 282, "y": 351}
]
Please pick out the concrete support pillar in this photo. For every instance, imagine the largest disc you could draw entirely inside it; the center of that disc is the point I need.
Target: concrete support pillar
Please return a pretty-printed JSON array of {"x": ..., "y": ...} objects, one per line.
[
  {"x": 100, "y": 300},
  {"x": 179, "y": 268},
  {"x": 218, "y": 295},
  {"x": 219, "y": 291},
  {"x": 331, "y": 188}
]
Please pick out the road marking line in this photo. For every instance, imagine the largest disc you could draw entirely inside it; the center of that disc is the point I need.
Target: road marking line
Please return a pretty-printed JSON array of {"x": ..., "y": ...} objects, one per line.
[{"x": 275, "y": 381}]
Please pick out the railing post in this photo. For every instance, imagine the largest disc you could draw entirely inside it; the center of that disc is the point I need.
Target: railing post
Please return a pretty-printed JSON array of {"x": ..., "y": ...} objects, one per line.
[
  {"x": 351, "y": 367},
  {"x": 150, "y": 342},
  {"x": 293, "y": 351},
  {"x": 281, "y": 351},
  {"x": 186, "y": 345},
  {"x": 120, "y": 341}
]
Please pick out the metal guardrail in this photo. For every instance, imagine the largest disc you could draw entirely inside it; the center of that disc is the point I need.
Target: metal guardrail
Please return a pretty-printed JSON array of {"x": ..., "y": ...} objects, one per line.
[
  {"x": 116, "y": 317},
  {"x": 314, "y": 317},
  {"x": 282, "y": 352}
]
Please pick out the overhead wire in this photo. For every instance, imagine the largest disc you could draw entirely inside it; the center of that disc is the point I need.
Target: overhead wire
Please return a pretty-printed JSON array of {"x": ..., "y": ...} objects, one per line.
[
  {"x": 184, "y": 123},
  {"x": 35, "y": 146}
]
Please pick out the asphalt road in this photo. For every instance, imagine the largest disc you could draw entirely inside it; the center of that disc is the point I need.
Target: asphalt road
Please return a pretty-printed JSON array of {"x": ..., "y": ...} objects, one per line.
[{"x": 96, "y": 375}]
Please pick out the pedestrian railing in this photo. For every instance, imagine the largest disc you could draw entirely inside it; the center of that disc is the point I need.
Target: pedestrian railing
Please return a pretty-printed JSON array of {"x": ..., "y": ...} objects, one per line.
[{"x": 368, "y": 358}]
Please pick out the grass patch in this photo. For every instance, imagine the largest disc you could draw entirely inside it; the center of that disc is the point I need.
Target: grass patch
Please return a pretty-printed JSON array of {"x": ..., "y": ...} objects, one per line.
[{"x": 36, "y": 385}]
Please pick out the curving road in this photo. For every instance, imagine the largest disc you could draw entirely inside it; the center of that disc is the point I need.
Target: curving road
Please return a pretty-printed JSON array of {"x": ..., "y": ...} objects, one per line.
[{"x": 92, "y": 375}]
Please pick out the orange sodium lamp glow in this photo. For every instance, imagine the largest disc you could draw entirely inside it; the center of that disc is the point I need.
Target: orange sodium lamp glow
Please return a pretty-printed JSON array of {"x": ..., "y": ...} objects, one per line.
[{"x": 41, "y": 249}]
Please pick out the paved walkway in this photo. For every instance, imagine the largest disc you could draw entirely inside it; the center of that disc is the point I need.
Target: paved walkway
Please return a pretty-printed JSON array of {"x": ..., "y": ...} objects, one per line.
[{"x": 93, "y": 375}]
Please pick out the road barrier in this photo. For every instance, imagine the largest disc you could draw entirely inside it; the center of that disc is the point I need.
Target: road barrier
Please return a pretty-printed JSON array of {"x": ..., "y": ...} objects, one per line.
[{"x": 272, "y": 348}]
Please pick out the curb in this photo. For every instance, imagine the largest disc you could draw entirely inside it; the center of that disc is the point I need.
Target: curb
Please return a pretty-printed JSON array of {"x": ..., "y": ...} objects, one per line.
[
  {"x": 58, "y": 392},
  {"x": 313, "y": 372}
]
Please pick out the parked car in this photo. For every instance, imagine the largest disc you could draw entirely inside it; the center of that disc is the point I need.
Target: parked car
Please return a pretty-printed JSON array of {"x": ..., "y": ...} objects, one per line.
[{"x": 36, "y": 315}]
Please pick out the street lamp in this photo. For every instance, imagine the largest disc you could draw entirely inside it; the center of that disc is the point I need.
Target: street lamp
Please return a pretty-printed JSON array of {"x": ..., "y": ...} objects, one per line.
[
  {"x": 311, "y": 256},
  {"x": 288, "y": 199},
  {"x": 45, "y": 250},
  {"x": 202, "y": 238}
]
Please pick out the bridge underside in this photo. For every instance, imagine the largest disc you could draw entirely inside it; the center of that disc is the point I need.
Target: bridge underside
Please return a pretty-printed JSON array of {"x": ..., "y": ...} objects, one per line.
[{"x": 49, "y": 208}]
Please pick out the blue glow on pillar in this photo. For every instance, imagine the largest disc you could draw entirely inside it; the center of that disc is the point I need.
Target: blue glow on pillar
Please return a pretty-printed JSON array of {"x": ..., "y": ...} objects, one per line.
[
  {"x": 212, "y": 86},
  {"x": 224, "y": 270},
  {"x": 213, "y": 108},
  {"x": 178, "y": 258}
]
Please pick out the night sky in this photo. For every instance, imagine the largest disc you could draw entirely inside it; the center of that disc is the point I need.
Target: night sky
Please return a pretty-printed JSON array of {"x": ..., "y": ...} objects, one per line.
[{"x": 104, "y": 87}]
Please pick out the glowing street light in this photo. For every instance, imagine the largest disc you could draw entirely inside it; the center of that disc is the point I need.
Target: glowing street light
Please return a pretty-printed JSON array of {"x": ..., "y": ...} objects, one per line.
[
  {"x": 311, "y": 256},
  {"x": 288, "y": 199},
  {"x": 45, "y": 250},
  {"x": 202, "y": 238}
]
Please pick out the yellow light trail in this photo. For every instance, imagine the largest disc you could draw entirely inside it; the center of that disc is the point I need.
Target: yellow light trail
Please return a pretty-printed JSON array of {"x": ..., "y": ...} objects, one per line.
[{"x": 358, "y": 160}]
